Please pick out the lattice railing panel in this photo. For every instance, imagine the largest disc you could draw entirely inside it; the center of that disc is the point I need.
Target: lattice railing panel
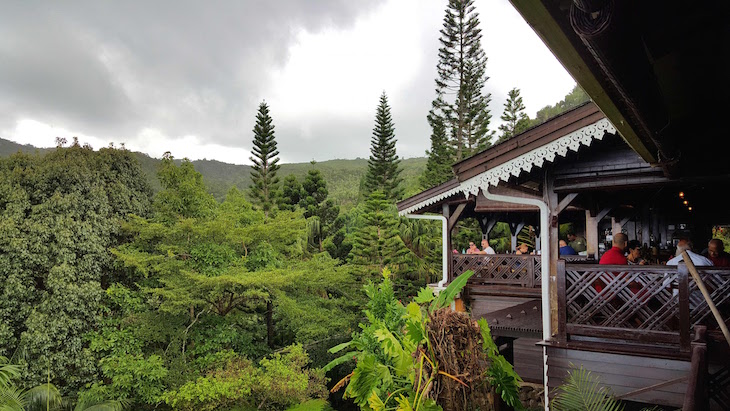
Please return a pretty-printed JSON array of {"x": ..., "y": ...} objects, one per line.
[
  {"x": 499, "y": 269},
  {"x": 718, "y": 285},
  {"x": 622, "y": 298}
]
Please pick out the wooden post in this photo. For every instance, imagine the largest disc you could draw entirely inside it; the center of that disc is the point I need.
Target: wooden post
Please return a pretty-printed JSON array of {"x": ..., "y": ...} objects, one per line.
[
  {"x": 591, "y": 235},
  {"x": 562, "y": 313}
]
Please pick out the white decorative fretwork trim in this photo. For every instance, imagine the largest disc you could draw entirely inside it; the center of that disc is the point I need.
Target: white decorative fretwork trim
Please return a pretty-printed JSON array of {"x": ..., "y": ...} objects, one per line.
[{"x": 525, "y": 162}]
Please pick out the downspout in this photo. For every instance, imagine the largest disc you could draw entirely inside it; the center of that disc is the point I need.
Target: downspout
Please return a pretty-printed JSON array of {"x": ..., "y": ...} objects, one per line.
[
  {"x": 445, "y": 251},
  {"x": 545, "y": 258}
]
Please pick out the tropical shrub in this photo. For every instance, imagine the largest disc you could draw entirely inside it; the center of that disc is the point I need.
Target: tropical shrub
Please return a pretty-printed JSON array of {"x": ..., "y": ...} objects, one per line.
[{"x": 403, "y": 362}]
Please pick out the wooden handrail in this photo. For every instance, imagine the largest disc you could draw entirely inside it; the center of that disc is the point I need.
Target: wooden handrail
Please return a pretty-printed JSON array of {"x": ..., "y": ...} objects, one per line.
[{"x": 640, "y": 304}]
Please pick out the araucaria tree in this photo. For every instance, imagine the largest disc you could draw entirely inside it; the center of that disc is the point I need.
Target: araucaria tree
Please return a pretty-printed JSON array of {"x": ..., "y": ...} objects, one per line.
[
  {"x": 383, "y": 172},
  {"x": 514, "y": 117},
  {"x": 377, "y": 243},
  {"x": 440, "y": 157},
  {"x": 265, "y": 161},
  {"x": 460, "y": 102}
]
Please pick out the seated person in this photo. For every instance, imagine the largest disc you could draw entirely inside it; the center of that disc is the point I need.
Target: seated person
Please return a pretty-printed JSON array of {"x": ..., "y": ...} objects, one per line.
[
  {"x": 577, "y": 243},
  {"x": 486, "y": 249},
  {"x": 686, "y": 245},
  {"x": 522, "y": 249},
  {"x": 565, "y": 249},
  {"x": 634, "y": 255},
  {"x": 616, "y": 254},
  {"x": 472, "y": 248},
  {"x": 716, "y": 253}
]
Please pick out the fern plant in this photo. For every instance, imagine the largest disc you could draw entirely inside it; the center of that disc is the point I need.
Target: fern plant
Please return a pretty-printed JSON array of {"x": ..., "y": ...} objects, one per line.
[{"x": 583, "y": 391}]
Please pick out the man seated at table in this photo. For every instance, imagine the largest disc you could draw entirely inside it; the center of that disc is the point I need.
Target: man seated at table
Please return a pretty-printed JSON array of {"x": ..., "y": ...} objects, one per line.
[
  {"x": 716, "y": 253},
  {"x": 565, "y": 249},
  {"x": 486, "y": 249},
  {"x": 686, "y": 245},
  {"x": 616, "y": 254}
]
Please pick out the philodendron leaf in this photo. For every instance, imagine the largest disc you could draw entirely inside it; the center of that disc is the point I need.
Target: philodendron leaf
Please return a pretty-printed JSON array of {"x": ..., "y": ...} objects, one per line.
[
  {"x": 425, "y": 296},
  {"x": 446, "y": 297}
]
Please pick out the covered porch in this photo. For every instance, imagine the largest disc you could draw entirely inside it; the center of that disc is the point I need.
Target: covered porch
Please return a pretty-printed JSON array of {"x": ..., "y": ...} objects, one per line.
[{"x": 543, "y": 308}]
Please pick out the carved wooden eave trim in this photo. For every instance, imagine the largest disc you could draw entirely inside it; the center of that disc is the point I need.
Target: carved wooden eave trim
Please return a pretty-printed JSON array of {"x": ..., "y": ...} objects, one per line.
[{"x": 534, "y": 158}]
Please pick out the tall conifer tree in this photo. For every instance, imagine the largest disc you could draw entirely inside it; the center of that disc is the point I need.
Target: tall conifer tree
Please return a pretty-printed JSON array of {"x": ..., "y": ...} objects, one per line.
[
  {"x": 460, "y": 101},
  {"x": 377, "y": 243},
  {"x": 265, "y": 161},
  {"x": 514, "y": 117},
  {"x": 440, "y": 157},
  {"x": 383, "y": 172}
]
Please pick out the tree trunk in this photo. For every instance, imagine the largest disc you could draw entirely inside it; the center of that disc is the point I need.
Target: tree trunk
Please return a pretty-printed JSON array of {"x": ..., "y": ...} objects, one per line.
[{"x": 270, "y": 323}]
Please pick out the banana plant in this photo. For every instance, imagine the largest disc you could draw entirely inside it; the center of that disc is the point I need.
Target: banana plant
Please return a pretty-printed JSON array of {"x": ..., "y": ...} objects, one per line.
[{"x": 396, "y": 366}]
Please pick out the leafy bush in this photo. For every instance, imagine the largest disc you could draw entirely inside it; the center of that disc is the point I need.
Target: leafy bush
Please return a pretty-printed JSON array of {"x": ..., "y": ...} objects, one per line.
[{"x": 279, "y": 382}]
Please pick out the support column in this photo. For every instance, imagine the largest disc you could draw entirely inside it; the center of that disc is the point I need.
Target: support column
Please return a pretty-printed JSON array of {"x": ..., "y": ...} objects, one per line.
[
  {"x": 645, "y": 226},
  {"x": 551, "y": 199},
  {"x": 615, "y": 226},
  {"x": 447, "y": 214},
  {"x": 591, "y": 235},
  {"x": 515, "y": 229}
]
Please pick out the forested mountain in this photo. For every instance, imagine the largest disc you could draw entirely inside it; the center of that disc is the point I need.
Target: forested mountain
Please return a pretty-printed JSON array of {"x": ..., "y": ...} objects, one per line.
[{"x": 342, "y": 176}]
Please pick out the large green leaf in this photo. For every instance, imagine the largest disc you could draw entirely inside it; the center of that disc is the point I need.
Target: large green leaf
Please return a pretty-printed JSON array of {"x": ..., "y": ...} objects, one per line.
[
  {"x": 488, "y": 343},
  {"x": 402, "y": 358},
  {"x": 339, "y": 360},
  {"x": 425, "y": 296},
  {"x": 446, "y": 297}
]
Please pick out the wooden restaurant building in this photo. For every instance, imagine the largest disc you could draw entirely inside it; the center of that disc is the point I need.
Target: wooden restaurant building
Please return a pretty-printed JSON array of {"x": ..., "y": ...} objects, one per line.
[{"x": 625, "y": 162}]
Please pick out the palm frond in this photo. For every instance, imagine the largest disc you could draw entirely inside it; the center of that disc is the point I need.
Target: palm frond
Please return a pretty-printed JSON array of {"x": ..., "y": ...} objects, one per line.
[
  {"x": 583, "y": 391},
  {"x": 110, "y": 405},
  {"x": 11, "y": 398},
  {"x": 7, "y": 372},
  {"x": 42, "y": 397}
]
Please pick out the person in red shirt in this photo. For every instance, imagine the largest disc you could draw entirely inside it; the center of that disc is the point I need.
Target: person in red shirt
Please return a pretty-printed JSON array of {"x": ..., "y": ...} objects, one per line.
[
  {"x": 717, "y": 254},
  {"x": 616, "y": 254}
]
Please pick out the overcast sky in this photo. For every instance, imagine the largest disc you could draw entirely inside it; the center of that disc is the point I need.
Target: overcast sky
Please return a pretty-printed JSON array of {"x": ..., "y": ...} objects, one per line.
[{"x": 188, "y": 76}]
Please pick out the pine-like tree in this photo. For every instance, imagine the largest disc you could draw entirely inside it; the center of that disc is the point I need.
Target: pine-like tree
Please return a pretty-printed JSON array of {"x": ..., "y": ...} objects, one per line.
[
  {"x": 440, "y": 157},
  {"x": 514, "y": 117},
  {"x": 320, "y": 212},
  {"x": 290, "y": 194},
  {"x": 263, "y": 173},
  {"x": 377, "y": 242},
  {"x": 383, "y": 166},
  {"x": 460, "y": 102}
]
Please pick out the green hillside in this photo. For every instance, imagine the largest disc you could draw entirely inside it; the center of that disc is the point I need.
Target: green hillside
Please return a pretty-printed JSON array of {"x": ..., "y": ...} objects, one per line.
[{"x": 343, "y": 176}]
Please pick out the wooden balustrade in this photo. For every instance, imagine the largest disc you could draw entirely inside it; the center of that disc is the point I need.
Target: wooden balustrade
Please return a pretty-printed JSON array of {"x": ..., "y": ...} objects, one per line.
[
  {"x": 499, "y": 269},
  {"x": 655, "y": 305}
]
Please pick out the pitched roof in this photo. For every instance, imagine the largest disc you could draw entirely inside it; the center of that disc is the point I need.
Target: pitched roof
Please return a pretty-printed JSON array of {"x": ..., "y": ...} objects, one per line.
[{"x": 568, "y": 131}]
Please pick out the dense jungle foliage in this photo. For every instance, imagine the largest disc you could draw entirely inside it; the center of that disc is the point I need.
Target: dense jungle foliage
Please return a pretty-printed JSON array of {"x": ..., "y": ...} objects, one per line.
[{"x": 174, "y": 299}]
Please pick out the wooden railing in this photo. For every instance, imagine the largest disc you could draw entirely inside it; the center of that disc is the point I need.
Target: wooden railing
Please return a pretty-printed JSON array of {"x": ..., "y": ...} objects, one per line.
[
  {"x": 656, "y": 305},
  {"x": 499, "y": 269}
]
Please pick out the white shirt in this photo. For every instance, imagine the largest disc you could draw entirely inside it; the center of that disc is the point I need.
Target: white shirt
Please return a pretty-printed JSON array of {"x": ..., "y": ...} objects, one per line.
[
  {"x": 489, "y": 250},
  {"x": 696, "y": 259}
]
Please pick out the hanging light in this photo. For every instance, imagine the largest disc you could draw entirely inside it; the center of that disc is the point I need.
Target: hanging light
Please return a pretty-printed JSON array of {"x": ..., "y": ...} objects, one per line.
[
  {"x": 681, "y": 194},
  {"x": 685, "y": 202},
  {"x": 689, "y": 208}
]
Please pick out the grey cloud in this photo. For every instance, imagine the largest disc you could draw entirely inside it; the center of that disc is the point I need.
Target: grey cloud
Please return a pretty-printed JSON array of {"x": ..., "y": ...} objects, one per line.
[{"x": 185, "y": 67}]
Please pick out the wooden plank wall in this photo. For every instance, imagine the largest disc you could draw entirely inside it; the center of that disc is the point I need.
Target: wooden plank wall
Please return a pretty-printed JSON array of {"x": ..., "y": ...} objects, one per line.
[
  {"x": 528, "y": 360},
  {"x": 481, "y": 306},
  {"x": 623, "y": 373}
]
